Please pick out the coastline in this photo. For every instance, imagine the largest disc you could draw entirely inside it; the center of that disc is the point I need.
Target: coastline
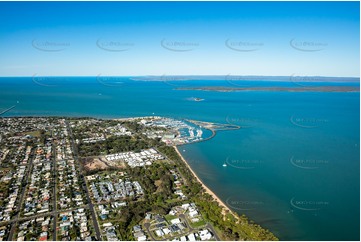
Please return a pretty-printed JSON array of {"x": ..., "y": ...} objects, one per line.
[{"x": 209, "y": 191}]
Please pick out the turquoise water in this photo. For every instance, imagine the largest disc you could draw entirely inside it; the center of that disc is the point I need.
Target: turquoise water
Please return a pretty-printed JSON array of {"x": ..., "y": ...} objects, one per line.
[{"x": 293, "y": 167}]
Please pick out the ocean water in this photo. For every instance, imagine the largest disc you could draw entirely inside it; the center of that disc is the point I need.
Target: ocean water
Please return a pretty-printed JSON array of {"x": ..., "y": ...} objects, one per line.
[{"x": 293, "y": 167}]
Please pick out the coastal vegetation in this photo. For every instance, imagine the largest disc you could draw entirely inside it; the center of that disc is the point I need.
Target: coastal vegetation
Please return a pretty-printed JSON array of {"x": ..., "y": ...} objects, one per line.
[
  {"x": 158, "y": 180},
  {"x": 110, "y": 143},
  {"x": 154, "y": 199},
  {"x": 231, "y": 227},
  {"x": 158, "y": 185},
  {"x": 113, "y": 145}
]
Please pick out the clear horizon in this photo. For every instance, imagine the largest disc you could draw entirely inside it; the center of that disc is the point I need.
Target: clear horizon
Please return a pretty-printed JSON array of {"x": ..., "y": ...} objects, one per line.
[
  {"x": 190, "y": 75},
  {"x": 180, "y": 39}
]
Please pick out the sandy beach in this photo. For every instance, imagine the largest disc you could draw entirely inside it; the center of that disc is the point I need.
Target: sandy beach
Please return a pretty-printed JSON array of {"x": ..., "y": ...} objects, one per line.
[{"x": 209, "y": 191}]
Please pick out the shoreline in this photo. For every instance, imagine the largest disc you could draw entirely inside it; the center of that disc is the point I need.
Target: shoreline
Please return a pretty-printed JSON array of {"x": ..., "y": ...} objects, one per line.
[{"x": 209, "y": 191}]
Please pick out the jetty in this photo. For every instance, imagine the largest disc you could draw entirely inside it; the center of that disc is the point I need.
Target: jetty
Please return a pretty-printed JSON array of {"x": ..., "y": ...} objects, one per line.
[{"x": 7, "y": 110}]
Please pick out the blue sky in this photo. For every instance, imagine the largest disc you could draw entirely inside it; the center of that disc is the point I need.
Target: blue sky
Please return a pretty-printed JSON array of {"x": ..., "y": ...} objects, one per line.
[{"x": 179, "y": 38}]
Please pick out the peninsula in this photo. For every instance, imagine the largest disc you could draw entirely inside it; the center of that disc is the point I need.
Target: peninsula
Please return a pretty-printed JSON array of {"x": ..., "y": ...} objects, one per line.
[{"x": 95, "y": 179}]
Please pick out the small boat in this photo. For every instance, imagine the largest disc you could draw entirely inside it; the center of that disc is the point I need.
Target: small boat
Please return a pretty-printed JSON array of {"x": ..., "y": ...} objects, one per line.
[
  {"x": 224, "y": 164},
  {"x": 197, "y": 99}
]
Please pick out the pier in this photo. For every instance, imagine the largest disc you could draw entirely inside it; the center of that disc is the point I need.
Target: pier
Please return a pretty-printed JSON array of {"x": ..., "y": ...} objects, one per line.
[{"x": 7, "y": 110}]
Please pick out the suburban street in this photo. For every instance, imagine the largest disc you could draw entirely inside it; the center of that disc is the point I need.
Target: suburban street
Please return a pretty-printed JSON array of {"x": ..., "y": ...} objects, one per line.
[
  {"x": 54, "y": 193},
  {"x": 90, "y": 204},
  {"x": 54, "y": 212},
  {"x": 23, "y": 190},
  {"x": 52, "y": 199}
]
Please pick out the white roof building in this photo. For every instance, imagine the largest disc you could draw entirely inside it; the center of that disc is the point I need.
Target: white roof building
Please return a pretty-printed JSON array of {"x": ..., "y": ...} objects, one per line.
[
  {"x": 205, "y": 235},
  {"x": 159, "y": 233},
  {"x": 191, "y": 237},
  {"x": 175, "y": 221},
  {"x": 142, "y": 238}
]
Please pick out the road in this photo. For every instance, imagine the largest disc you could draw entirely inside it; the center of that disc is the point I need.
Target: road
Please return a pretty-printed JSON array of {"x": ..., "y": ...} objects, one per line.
[
  {"x": 208, "y": 225},
  {"x": 16, "y": 219},
  {"x": 80, "y": 169},
  {"x": 55, "y": 212},
  {"x": 54, "y": 189},
  {"x": 52, "y": 213},
  {"x": 192, "y": 230},
  {"x": 23, "y": 190},
  {"x": 147, "y": 225}
]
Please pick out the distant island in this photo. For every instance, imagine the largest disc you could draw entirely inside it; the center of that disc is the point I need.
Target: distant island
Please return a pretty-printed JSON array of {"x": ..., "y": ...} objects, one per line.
[
  {"x": 231, "y": 78},
  {"x": 275, "y": 89}
]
